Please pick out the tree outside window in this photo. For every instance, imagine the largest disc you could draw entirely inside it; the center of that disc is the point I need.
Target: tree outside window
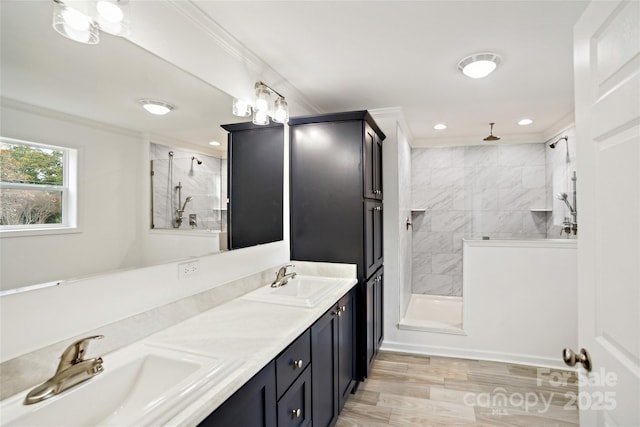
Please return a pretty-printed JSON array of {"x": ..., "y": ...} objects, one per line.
[{"x": 33, "y": 184}]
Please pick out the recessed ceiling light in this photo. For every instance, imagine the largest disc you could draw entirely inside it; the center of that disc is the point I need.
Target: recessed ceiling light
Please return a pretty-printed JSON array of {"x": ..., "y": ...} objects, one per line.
[
  {"x": 156, "y": 107},
  {"x": 214, "y": 143},
  {"x": 440, "y": 126},
  {"x": 525, "y": 122},
  {"x": 479, "y": 65}
]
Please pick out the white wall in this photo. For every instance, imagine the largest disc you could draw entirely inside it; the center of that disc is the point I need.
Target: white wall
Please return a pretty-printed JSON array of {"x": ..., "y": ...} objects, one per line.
[
  {"x": 108, "y": 174},
  {"x": 519, "y": 305}
]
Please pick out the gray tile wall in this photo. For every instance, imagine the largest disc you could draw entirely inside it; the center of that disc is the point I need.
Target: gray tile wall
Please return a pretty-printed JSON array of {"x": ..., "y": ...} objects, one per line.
[
  {"x": 471, "y": 192},
  {"x": 204, "y": 183}
]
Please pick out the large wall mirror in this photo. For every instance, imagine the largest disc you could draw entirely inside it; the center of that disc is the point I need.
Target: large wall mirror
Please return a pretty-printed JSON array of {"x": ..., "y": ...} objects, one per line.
[{"x": 85, "y": 97}]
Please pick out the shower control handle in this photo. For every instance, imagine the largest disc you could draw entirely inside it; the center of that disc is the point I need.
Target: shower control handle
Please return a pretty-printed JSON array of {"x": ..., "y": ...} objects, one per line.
[{"x": 571, "y": 358}]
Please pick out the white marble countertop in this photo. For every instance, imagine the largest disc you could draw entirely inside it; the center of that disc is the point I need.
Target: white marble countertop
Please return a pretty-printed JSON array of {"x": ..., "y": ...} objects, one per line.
[{"x": 248, "y": 332}]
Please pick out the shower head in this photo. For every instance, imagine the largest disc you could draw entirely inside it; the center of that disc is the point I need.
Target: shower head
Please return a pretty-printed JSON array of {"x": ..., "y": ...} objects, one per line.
[
  {"x": 553, "y": 144},
  {"x": 564, "y": 197},
  {"x": 196, "y": 159},
  {"x": 187, "y": 200}
]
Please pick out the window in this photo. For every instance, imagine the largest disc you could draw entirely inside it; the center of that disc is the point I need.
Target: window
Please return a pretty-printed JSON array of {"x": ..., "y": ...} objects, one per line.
[{"x": 37, "y": 186}]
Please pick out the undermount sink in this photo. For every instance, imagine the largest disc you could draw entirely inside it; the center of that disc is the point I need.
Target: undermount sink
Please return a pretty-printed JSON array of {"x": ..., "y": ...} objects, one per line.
[
  {"x": 301, "y": 291},
  {"x": 142, "y": 385}
]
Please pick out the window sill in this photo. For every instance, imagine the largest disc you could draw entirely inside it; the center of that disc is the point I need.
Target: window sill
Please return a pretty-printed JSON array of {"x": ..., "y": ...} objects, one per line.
[{"x": 44, "y": 231}]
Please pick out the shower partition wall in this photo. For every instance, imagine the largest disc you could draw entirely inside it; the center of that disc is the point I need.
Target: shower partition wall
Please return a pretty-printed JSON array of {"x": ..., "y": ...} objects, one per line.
[
  {"x": 471, "y": 192},
  {"x": 188, "y": 192}
]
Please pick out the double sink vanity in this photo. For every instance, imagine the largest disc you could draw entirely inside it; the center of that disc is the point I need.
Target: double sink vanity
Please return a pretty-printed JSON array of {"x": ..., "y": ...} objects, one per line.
[{"x": 251, "y": 361}]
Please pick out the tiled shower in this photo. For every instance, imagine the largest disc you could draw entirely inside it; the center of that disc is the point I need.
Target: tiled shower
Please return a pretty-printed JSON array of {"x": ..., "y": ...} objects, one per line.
[
  {"x": 495, "y": 191},
  {"x": 201, "y": 177}
]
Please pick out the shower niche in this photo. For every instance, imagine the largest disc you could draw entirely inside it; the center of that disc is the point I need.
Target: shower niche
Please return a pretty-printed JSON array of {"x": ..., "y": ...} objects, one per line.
[{"x": 188, "y": 190}]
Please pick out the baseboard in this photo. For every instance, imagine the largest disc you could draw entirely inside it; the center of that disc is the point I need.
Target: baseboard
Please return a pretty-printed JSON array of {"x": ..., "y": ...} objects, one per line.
[{"x": 463, "y": 353}]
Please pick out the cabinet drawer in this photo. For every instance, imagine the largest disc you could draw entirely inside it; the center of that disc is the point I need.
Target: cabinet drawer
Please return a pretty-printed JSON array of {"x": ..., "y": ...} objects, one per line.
[
  {"x": 294, "y": 407},
  {"x": 292, "y": 362}
]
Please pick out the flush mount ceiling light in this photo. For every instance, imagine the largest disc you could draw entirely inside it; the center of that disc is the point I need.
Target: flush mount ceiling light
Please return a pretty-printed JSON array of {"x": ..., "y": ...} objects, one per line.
[
  {"x": 82, "y": 20},
  {"x": 525, "y": 122},
  {"x": 479, "y": 65},
  {"x": 440, "y": 126},
  {"x": 214, "y": 143},
  {"x": 491, "y": 136},
  {"x": 154, "y": 106},
  {"x": 263, "y": 109}
]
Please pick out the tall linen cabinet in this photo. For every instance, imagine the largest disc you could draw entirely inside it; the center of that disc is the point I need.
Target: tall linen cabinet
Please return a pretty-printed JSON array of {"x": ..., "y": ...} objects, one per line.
[{"x": 336, "y": 211}]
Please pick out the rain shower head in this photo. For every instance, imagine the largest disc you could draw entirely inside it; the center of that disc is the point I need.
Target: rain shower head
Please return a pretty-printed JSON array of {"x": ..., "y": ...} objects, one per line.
[
  {"x": 491, "y": 136},
  {"x": 553, "y": 144}
]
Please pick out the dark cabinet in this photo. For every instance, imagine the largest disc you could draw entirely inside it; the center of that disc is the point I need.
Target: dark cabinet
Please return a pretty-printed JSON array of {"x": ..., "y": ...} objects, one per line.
[
  {"x": 373, "y": 164},
  {"x": 346, "y": 348},
  {"x": 373, "y": 236},
  {"x": 254, "y": 405},
  {"x": 336, "y": 202},
  {"x": 375, "y": 334},
  {"x": 294, "y": 407},
  {"x": 255, "y": 179},
  {"x": 332, "y": 349}
]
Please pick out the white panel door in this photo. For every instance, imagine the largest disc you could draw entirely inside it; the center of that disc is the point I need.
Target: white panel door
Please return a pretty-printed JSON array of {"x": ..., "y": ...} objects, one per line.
[{"x": 607, "y": 91}]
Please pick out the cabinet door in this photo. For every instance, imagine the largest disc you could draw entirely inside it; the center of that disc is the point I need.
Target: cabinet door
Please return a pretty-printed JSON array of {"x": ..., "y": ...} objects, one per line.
[
  {"x": 373, "y": 245},
  {"x": 254, "y": 405},
  {"x": 378, "y": 313},
  {"x": 372, "y": 164},
  {"x": 294, "y": 407},
  {"x": 377, "y": 166},
  {"x": 346, "y": 346},
  {"x": 255, "y": 179},
  {"x": 324, "y": 360},
  {"x": 370, "y": 323}
]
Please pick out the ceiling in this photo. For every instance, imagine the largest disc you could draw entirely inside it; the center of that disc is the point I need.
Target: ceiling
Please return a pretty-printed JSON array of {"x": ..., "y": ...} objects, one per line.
[{"x": 348, "y": 55}]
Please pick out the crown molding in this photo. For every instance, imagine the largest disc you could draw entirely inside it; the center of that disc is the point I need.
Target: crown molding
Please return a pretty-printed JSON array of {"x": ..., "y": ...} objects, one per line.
[
  {"x": 396, "y": 113},
  {"x": 257, "y": 68}
]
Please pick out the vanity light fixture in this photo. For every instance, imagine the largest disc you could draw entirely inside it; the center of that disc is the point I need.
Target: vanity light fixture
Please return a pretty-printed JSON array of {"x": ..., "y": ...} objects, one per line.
[
  {"x": 263, "y": 109},
  {"x": 153, "y": 106},
  {"x": 479, "y": 65},
  {"x": 440, "y": 126},
  {"x": 82, "y": 20},
  {"x": 525, "y": 122}
]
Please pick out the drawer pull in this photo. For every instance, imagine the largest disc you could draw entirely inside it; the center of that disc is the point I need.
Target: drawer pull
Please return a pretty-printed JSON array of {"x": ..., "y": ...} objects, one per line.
[
  {"x": 297, "y": 364},
  {"x": 296, "y": 413}
]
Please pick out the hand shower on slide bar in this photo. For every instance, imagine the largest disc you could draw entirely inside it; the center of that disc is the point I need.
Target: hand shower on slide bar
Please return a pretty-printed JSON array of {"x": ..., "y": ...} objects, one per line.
[{"x": 571, "y": 224}]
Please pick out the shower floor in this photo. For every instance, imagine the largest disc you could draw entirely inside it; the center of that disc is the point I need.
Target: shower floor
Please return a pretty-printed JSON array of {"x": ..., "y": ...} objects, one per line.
[{"x": 433, "y": 313}]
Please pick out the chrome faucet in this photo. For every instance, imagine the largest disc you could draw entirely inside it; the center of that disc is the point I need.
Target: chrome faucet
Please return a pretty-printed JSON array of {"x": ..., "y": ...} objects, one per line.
[
  {"x": 282, "y": 278},
  {"x": 72, "y": 370}
]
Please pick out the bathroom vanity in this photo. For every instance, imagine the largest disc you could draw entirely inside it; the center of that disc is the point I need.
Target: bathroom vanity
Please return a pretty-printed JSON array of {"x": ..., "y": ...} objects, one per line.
[{"x": 261, "y": 360}]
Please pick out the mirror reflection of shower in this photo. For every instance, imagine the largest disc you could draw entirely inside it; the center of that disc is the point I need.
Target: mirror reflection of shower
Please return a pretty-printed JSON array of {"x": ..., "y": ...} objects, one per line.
[{"x": 187, "y": 190}]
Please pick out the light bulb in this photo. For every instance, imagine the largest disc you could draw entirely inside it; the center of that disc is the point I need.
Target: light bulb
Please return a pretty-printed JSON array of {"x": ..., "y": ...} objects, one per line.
[
  {"x": 241, "y": 108},
  {"x": 110, "y": 11},
  {"x": 260, "y": 117},
  {"x": 74, "y": 25},
  {"x": 281, "y": 114}
]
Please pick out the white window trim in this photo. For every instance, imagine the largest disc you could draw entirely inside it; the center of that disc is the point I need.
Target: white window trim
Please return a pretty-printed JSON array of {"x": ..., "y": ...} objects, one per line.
[{"x": 69, "y": 189}]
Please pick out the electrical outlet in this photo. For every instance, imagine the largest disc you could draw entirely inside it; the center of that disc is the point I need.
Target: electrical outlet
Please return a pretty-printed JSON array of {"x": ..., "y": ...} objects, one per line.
[{"x": 188, "y": 269}]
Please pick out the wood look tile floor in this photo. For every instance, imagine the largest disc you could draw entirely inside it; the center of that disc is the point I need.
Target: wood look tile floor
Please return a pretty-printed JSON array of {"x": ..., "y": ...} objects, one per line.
[{"x": 412, "y": 390}]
